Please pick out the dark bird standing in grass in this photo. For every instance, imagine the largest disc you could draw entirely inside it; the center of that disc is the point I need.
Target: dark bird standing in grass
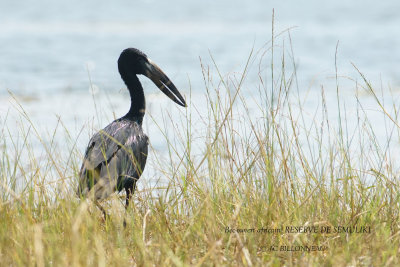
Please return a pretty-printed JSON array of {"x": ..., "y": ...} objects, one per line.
[{"x": 116, "y": 156}]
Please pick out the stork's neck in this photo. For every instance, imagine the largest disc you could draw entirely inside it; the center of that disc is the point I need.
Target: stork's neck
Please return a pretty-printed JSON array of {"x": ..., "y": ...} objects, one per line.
[{"x": 138, "y": 103}]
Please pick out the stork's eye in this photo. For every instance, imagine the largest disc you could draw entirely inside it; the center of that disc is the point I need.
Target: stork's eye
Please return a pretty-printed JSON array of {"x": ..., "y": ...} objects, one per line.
[{"x": 142, "y": 59}]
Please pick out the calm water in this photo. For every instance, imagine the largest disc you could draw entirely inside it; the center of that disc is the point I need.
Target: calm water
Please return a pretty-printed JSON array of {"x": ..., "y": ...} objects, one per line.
[
  {"x": 45, "y": 46},
  {"x": 47, "y": 49}
]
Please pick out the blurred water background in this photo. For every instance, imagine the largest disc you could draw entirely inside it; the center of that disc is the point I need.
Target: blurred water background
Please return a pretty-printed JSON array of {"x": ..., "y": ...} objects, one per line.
[
  {"x": 54, "y": 55},
  {"x": 46, "y": 45}
]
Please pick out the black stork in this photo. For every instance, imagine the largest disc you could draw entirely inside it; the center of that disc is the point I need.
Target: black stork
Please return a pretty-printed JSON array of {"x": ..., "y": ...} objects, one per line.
[{"x": 116, "y": 156}]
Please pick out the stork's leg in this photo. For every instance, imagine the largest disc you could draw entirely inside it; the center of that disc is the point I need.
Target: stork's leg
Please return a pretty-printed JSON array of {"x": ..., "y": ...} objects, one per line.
[
  {"x": 127, "y": 200},
  {"x": 128, "y": 196},
  {"x": 129, "y": 191}
]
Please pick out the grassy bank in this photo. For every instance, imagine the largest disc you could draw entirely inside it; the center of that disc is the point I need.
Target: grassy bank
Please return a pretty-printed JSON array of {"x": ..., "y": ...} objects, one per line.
[{"x": 268, "y": 184}]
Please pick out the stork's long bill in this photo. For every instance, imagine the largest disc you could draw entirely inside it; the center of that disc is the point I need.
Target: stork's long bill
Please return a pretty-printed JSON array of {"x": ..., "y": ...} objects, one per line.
[{"x": 159, "y": 78}]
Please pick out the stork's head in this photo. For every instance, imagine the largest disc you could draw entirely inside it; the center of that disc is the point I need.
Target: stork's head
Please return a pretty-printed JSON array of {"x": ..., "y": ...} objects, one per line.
[{"x": 133, "y": 61}]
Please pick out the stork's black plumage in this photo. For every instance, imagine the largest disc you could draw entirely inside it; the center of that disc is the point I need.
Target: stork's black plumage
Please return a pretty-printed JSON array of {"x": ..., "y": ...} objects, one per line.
[{"x": 116, "y": 156}]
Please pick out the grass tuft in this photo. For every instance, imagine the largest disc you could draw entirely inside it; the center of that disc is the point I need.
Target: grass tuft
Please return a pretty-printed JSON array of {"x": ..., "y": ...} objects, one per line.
[{"x": 241, "y": 171}]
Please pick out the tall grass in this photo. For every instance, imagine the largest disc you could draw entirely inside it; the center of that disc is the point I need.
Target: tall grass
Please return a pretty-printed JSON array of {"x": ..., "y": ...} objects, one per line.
[{"x": 236, "y": 162}]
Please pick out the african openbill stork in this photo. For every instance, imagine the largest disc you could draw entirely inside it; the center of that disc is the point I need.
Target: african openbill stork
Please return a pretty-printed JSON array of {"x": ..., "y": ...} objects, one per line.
[{"x": 116, "y": 156}]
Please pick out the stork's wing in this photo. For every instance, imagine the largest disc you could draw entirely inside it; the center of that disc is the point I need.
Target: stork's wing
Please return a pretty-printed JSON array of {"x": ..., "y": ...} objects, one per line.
[{"x": 116, "y": 152}]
